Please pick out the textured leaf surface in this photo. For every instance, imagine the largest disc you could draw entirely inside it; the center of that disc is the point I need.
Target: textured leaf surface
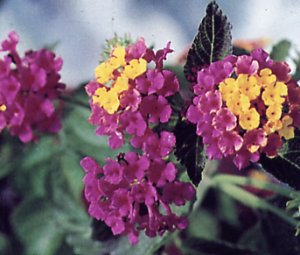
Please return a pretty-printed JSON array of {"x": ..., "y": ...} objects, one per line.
[
  {"x": 212, "y": 42},
  {"x": 189, "y": 150},
  {"x": 286, "y": 166}
]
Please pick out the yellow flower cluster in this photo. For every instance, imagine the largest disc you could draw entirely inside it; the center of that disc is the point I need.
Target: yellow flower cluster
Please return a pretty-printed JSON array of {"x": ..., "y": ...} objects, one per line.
[
  {"x": 241, "y": 93},
  {"x": 108, "y": 97}
]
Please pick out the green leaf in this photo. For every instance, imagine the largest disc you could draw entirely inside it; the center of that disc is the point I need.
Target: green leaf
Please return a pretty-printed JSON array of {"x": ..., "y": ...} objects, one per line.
[
  {"x": 73, "y": 174},
  {"x": 6, "y": 154},
  {"x": 4, "y": 243},
  {"x": 286, "y": 166},
  {"x": 254, "y": 238},
  {"x": 190, "y": 150},
  {"x": 296, "y": 75},
  {"x": 145, "y": 246},
  {"x": 84, "y": 245},
  {"x": 36, "y": 227},
  {"x": 280, "y": 51},
  {"x": 212, "y": 43}
]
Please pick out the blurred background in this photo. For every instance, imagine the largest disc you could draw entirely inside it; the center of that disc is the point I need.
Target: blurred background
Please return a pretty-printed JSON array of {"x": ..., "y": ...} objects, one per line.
[{"x": 78, "y": 28}]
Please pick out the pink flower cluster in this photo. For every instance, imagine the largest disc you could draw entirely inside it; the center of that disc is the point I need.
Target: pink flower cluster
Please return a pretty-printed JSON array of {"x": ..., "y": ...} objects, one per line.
[
  {"x": 29, "y": 85},
  {"x": 244, "y": 106},
  {"x": 134, "y": 192}
]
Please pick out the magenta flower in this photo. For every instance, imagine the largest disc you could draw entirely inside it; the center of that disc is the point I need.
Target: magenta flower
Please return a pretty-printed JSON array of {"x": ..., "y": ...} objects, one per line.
[
  {"x": 156, "y": 109},
  {"x": 29, "y": 87},
  {"x": 136, "y": 166},
  {"x": 113, "y": 171},
  {"x": 151, "y": 83},
  {"x": 134, "y": 123},
  {"x": 158, "y": 146},
  {"x": 160, "y": 173},
  {"x": 134, "y": 193},
  {"x": 224, "y": 120},
  {"x": 246, "y": 65}
]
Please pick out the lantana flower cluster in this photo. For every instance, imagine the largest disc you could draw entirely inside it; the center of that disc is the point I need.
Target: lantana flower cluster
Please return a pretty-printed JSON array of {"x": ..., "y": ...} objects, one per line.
[
  {"x": 28, "y": 87},
  {"x": 129, "y": 98},
  {"x": 244, "y": 106}
]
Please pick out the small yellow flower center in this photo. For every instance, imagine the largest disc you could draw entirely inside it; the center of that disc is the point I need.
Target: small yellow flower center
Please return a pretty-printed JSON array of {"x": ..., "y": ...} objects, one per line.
[{"x": 2, "y": 108}]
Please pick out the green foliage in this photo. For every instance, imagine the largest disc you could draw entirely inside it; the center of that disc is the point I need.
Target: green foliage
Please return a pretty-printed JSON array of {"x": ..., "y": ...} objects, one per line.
[
  {"x": 36, "y": 227},
  {"x": 212, "y": 43},
  {"x": 281, "y": 50}
]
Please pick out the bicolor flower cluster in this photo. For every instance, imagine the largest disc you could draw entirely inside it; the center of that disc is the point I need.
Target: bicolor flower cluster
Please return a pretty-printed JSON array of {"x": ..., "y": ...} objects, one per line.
[
  {"x": 29, "y": 85},
  {"x": 129, "y": 98},
  {"x": 245, "y": 106}
]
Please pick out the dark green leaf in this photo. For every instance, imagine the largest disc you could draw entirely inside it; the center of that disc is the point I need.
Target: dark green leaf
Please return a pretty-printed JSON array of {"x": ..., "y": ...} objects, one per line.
[
  {"x": 212, "y": 43},
  {"x": 209, "y": 247},
  {"x": 280, "y": 51},
  {"x": 239, "y": 51},
  {"x": 254, "y": 238},
  {"x": 280, "y": 236},
  {"x": 286, "y": 166},
  {"x": 190, "y": 151},
  {"x": 296, "y": 75}
]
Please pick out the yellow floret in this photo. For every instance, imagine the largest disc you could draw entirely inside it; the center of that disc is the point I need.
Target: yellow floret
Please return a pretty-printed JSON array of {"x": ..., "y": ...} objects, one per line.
[
  {"x": 287, "y": 130},
  {"x": 248, "y": 86},
  {"x": 250, "y": 119},
  {"x": 228, "y": 88},
  {"x": 104, "y": 72},
  {"x": 118, "y": 58},
  {"x": 274, "y": 112},
  {"x": 107, "y": 99},
  {"x": 272, "y": 126},
  {"x": 135, "y": 68},
  {"x": 238, "y": 103},
  {"x": 121, "y": 84},
  {"x": 274, "y": 94},
  {"x": 266, "y": 77}
]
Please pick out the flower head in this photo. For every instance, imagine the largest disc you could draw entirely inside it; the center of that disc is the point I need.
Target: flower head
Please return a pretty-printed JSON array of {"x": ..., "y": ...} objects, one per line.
[
  {"x": 29, "y": 86},
  {"x": 127, "y": 94},
  {"x": 134, "y": 193},
  {"x": 257, "y": 111}
]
